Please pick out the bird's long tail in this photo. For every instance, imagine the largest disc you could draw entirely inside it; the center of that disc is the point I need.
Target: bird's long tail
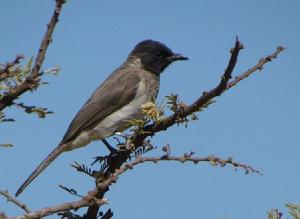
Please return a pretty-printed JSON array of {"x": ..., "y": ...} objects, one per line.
[{"x": 45, "y": 163}]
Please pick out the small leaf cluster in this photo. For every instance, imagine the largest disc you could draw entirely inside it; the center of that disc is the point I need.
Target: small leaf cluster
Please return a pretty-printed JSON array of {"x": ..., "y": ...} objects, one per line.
[
  {"x": 12, "y": 73},
  {"x": 176, "y": 105},
  {"x": 41, "y": 112}
]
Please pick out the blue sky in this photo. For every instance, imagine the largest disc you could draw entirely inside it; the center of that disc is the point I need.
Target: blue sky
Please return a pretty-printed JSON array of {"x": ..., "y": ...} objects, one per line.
[{"x": 257, "y": 122}]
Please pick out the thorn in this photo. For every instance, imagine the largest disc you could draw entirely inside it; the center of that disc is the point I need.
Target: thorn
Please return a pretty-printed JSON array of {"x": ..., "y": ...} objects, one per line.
[
  {"x": 167, "y": 150},
  {"x": 242, "y": 46}
]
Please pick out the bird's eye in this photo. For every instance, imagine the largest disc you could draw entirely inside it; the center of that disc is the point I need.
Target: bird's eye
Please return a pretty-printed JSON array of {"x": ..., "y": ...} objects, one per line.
[{"x": 158, "y": 53}]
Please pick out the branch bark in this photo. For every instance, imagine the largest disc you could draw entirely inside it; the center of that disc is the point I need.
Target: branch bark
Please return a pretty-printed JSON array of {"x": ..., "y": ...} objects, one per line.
[
  {"x": 258, "y": 66},
  {"x": 15, "y": 201},
  {"x": 91, "y": 198},
  {"x": 117, "y": 166},
  {"x": 223, "y": 86},
  {"x": 165, "y": 123},
  {"x": 86, "y": 201}
]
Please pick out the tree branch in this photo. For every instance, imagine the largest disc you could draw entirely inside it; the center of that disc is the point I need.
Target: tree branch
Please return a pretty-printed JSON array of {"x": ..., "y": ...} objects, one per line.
[
  {"x": 118, "y": 165},
  {"x": 32, "y": 81},
  {"x": 214, "y": 160},
  {"x": 91, "y": 198},
  {"x": 85, "y": 201},
  {"x": 223, "y": 86},
  {"x": 258, "y": 66},
  {"x": 165, "y": 123},
  {"x": 12, "y": 199}
]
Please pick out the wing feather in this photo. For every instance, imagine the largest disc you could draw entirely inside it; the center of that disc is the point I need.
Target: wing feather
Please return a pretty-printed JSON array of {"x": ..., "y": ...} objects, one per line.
[{"x": 117, "y": 90}]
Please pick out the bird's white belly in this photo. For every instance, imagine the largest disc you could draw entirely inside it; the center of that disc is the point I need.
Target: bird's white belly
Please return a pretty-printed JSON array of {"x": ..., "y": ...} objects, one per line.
[{"x": 116, "y": 121}]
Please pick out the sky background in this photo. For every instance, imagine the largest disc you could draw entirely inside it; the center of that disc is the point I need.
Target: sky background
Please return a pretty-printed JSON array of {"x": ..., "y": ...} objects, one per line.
[{"x": 257, "y": 122}]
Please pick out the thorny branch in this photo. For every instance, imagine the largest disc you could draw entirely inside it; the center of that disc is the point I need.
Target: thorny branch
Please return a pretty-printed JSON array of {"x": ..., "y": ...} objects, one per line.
[
  {"x": 91, "y": 197},
  {"x": 12, "y": 199},
  {"x": 258, "y": 66},
  {"x": 224, "y": 85},
  {"x": 118, "y": 165},
  {"x": 85, "y": 201},
  {"x": 214, "y": 160},
  {"x": 33, "y": 80},
  {"x": 167, "y": 122}
]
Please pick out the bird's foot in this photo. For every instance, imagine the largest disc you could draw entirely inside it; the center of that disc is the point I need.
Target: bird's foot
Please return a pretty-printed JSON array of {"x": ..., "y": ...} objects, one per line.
[
  {"x": 99, "y": 159},
  {"x": 123, "y": 145},
  {"x": 125, "y": 136}
]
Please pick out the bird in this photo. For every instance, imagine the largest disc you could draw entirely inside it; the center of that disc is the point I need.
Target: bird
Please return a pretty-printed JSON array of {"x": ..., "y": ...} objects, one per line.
[{"x": 117, "y": 100}]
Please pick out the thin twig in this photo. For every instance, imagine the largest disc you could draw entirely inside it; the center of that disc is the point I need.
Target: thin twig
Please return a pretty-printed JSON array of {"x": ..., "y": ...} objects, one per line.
[
  {"x": 258, "y": 66},
  {"x": 214, "y": 160},
  {"x": 32, "y": 81},
  {"x": 12, "y": 199},
  {"x": 165, "y": 123},
  {"x": 201, "y": 101},
  {"x": 94, "y": 199},
  {"x": 91, "y": 198},
  {"x": 40, "y": 111},
  {"x": 223, "y": 86},
  {"x": 85, "y": 201}
]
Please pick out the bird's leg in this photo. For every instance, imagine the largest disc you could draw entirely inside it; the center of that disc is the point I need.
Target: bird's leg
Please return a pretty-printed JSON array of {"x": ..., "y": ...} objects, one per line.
[
  {"x": 120, "y": 134},
  {"x": 123, "y": 145},
  {"x": 109, "y": 147}
]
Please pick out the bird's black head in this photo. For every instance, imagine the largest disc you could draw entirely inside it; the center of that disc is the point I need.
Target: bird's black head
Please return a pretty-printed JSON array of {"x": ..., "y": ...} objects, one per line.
[{"x": 155, "y": 56}]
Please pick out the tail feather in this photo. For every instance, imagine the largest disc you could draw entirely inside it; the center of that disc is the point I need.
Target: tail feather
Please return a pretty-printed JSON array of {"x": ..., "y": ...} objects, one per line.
[{"x": 43, "y": 165}]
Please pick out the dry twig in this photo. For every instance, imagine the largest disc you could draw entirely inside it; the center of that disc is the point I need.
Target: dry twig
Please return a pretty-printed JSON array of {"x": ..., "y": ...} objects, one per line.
[
  {"x": 167, "y": 122},
  {"x": 94, "y": 199},
  {"x": 91, "y": 198},
  {"x": 85, "y": 201},
  {"x": 12, "y": 199},
  {"x": 258, "y": 66}
]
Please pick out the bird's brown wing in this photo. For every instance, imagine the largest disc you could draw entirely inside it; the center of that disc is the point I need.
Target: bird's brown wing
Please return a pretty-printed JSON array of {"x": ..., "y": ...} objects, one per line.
[{"x": 118, "y": 89}]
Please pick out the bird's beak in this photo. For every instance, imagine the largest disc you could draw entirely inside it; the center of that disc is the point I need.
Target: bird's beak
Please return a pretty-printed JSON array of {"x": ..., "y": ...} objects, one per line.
[{"x": 176, "y": 57}]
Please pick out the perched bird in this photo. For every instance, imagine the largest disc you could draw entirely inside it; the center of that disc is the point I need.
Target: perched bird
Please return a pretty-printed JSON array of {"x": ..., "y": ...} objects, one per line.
[{"x": 116, "y": 101}]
